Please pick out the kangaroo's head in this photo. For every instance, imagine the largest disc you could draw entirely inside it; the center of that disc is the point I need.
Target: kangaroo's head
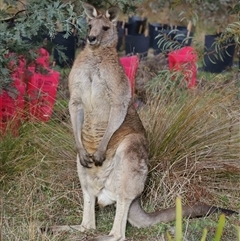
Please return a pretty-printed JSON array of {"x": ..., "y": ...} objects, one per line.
[{"x": 102, "y": 27}]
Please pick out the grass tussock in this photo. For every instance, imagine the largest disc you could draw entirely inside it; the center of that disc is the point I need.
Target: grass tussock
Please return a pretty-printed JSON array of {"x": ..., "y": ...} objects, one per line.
[
  {"x": 194, "y": 143},
  {"x": 35, "y": 143}
]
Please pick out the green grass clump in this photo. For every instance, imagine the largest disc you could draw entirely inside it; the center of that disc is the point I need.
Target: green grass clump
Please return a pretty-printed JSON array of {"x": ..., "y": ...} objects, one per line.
[
  {"x": 35, "y": 143},
  {"x": 194, "y": 141},
  {"x": 179, "y": 231}
]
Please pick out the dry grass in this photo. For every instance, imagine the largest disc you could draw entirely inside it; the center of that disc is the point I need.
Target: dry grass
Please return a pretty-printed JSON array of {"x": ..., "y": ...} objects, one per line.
[
  {"x": 194, "y": 153},
  {"x": 194, "y": 143}
]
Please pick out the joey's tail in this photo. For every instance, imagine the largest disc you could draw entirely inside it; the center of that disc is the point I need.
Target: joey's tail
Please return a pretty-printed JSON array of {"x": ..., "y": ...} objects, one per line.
[{"x": 139, "y": 218}]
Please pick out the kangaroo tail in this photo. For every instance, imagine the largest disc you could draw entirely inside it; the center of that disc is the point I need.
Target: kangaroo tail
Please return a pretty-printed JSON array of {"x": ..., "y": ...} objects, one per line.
[{"x": 139, "y": 218}]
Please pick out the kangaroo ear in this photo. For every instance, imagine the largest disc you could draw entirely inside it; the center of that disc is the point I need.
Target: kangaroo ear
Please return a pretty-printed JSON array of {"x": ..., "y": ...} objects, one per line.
[
  {"x": 91, "y": 11},
  {"x": 112, "y": 13}
]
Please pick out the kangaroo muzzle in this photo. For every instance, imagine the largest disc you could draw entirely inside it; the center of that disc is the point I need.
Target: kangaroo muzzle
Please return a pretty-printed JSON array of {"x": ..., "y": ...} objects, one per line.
[{"x": 92, "y": 40}]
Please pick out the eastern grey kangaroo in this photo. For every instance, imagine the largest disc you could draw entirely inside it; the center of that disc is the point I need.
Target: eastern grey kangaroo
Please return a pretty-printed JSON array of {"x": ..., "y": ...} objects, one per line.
[{"x": 112, "y": 149}]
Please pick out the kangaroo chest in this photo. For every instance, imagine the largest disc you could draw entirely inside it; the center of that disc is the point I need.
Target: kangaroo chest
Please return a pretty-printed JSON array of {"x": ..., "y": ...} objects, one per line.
[
  {"x": 94, "y": 89},
  {"x": 95, "y": 97}
]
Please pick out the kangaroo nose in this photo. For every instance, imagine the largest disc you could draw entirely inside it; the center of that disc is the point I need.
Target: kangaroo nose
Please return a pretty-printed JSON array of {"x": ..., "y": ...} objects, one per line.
[{"x": 91, "y": 38}]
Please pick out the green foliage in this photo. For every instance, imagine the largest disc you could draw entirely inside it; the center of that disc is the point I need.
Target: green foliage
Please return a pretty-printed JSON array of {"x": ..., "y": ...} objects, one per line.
[
  {"x": 204, "y": 235},
  {"x": 178, "y": 220},
  {"x": 238, "y": 233},
  {"x": 207, "y": 10},
  {"x": 178, "y": 233},
  {"x": 24, "y": 26},
  {"x": 35, "y": 143},
  {"x": 125, "y": 5},
  {"x": 207, "y": 13},
  {"x": 220, "y": 227}
]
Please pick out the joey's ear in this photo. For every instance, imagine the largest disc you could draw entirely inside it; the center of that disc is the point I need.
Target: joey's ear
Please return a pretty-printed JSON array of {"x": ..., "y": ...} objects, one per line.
[
  {"x": 91, "y": 11},
  {"x": 112, "y": 14}
]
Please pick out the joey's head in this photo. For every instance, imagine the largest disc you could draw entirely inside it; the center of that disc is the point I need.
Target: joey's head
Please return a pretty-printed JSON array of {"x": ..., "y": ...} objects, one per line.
[{"x": 102, "y": 29}]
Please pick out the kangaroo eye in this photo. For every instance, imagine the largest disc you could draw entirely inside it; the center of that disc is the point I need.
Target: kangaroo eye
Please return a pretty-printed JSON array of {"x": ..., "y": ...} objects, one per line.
[
  {"x": 105, "y": 28},
  {"x": 89, "y": 26}
]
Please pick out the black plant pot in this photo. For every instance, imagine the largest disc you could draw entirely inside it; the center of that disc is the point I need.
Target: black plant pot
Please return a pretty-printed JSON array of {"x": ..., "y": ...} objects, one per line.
[
  {"x": 181, "y": 36},
  {"x": 133, "y": 28},
  {"x": 136, "y": 25},
  {"x": 10, "y": 21},
  {"x": 218, "y": 61},
  {"x": 128, "y": 28},
  {"x": 41, "y": 38},
  {"x": 137, "y": 44},
  {"x": 67, "y": 46},
  {"x": 153, "y": 30},
  {"x": 181, "y": 28},
  {"x": 134, "y": 19},
  {"x": 120, "y": 38}
]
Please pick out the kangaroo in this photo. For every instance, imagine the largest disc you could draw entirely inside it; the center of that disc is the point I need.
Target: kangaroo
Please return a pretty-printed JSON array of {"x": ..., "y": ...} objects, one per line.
[{"x": 111, "y": 143}]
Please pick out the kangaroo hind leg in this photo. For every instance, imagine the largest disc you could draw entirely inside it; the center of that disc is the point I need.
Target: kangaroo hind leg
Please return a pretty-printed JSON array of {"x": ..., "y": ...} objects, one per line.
[
  {"x": 89, "y": 200},
  {"x": 130, "y": 173}
]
